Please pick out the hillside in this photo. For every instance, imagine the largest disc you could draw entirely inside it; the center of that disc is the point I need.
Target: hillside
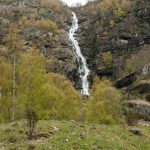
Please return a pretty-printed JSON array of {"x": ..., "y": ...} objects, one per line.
[
  {"x": 58, "y": 135},
  {"x": 86, "y": 67},
  {"x": 119, "y": 29}
]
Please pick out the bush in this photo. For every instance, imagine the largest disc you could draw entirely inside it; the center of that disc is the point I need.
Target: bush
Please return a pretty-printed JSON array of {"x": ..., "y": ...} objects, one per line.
[
  {"x": 138, "y": 60},
  {"x": 63, "y": 102},
  {"x": 129, "y": 69},
  {"x": 45, "y": 24},
  {"x": 104, "y": 103},
  {"x": 119, "y": 7},
  {"x": 107, "y": 58},
  {"x": 57, "y": 5}
]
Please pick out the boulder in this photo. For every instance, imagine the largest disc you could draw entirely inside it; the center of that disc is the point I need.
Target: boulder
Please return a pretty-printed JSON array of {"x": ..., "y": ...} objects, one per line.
[
  {"x": 105, "y": 71},
  {"x": 137, "y": 109},
  {"x": 126, "y": 80},
  {"x": 136, "y": 131}
]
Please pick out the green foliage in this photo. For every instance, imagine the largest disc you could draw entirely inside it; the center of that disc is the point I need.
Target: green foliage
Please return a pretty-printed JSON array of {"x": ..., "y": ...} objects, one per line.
[
  {"x": 138, "y": 60},
  {"x": 112, "y": 23},
  {"x": 104, "y": 103},
  {"x": 107, "y": 58},
  {"x": 129, "y": 68},
  {"x": 45, "y": 24},
  {"x": 49, "y": 96},
  {"x": 5, "y": 90},
  {"x": 14, "y": 41},
  {"x": 64, "y": 101},
  {"x": 119, "y": 7},
  {"x": 57, "y": 5},
  {"x": 32, "y": 80}
]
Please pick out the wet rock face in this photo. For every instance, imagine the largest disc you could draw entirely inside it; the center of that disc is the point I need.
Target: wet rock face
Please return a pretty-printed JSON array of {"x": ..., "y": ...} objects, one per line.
[{"x": 123, "y": 36}]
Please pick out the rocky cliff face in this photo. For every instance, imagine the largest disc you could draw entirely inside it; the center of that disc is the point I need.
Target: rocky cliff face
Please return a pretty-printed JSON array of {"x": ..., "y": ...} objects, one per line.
[
  {"x": 120, "y": 31},
  {"x": 108, "y": 35},
  {"x": 45, "y": 24}
]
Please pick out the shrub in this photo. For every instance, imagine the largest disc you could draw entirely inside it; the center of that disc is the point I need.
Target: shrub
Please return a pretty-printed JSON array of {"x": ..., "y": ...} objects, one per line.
[
  {"x": 120, "y": 7},
  {"x": 104, "y": 103},
  {"x": 139, "y": 60},
  {"x": 63, "y": 102},
  {"x": 57, "y": 4},
  {"x": 107, "y": 58},
  {"x": 45, "y": 24},
  {"x": 129, "y": 69}
]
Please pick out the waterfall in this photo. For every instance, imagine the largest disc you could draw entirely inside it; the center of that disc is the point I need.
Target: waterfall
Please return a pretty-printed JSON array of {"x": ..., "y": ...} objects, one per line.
[{"x": 83, "y": 68}]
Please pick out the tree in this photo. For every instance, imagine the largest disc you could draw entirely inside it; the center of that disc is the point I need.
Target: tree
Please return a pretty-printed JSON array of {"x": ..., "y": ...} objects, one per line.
[
  {"x": 64, "y": 101},
  {"x": 104, "y": 103},
  {"x": 31, "y": 88},
  {"x": 14, "y": 46},
  {"x": 5, "y": 89},
  {"x": 107, "y": 59},
  {"x": 138, "y": 60},
  {"x": 32, "y": 120}
]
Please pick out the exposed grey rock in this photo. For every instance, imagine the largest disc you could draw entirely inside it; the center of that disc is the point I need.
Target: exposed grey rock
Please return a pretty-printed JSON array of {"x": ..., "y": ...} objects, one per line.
[
  {"x": 126, "y": 81},
  {"x": 4, "y": 22},
  {"x": 141, "y": 87},
  {"x": 138, "y": 109},
  {"x": 105, "y": 71},
  {"x": 136, "y": 131}
]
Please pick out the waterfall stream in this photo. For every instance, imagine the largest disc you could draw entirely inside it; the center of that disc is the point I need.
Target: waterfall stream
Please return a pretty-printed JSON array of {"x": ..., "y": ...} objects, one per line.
[{"x": 83, "y": 68}]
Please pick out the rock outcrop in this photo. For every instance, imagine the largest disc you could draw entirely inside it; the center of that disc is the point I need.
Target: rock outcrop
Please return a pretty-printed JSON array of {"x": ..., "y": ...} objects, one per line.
[
  {"x": 103, "y": 30},
  {"x": 141, "y": 87},
  {"x": 137, "y": 109},
  {"x": 34, "y": 20}
]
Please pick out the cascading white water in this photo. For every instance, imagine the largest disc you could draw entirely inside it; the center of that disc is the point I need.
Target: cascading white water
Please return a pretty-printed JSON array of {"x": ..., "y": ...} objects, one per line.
[{"x": 83, "y": 69}]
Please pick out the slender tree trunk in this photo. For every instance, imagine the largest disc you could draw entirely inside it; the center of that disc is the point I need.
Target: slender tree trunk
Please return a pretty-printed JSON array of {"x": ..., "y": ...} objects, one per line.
[
  {"x": 14, "y": 88},
  {"x": 0, "y": 92}
]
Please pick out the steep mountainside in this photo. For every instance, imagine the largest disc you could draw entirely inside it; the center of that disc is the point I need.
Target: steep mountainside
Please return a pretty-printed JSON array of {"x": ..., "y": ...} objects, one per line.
[
  {"x": 44, "y": 24},
  {"x": 119, "y": 27},
  {"x": 110, "y": 32}
]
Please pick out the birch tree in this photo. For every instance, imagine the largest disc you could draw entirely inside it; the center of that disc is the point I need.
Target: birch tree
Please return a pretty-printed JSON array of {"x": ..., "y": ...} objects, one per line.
[{"x": 14, "y": 43}]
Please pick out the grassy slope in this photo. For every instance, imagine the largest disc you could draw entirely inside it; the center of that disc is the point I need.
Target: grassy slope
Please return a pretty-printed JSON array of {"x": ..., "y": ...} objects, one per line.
[{"x": 74, "y": 136}]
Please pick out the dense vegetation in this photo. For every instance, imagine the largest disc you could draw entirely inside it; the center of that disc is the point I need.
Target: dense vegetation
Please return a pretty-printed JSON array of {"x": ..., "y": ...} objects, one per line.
[
  {"x": 28, "y": 87},
  {"x": 25, "y": 85}
]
